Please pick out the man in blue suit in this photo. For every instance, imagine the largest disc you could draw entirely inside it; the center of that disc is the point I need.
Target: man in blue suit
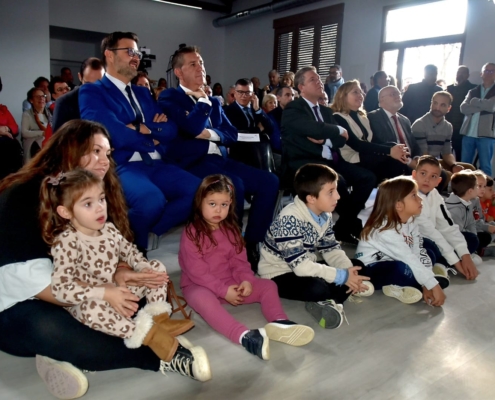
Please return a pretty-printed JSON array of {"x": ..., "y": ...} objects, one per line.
[
  {"x": 158, "y": 192},
  {"x": 204, "y": 131}
]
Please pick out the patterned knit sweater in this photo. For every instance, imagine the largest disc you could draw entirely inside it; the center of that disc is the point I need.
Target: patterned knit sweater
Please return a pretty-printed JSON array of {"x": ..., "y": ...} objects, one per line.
[{"x": 295, "y": 241}]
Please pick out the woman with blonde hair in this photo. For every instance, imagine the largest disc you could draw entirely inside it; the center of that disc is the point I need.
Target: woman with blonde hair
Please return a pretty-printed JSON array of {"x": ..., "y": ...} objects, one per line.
[
  {"x": 384, "y": 160},
  {"x": 288, "y": 79},
  {"x": 269, "y": 103}
]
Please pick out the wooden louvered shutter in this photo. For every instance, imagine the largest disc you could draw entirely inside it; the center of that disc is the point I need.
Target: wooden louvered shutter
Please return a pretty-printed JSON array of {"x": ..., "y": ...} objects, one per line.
[
  {"x": 305, "y": 47},
  {"x": 311, "y": 38},
  {"x": 284, "y": 52},
  {"x": 328, "y": 49}
]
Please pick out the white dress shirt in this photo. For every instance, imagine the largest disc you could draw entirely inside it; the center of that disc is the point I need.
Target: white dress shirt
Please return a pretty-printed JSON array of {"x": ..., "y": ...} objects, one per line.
[{"x": 213, "y": 148}]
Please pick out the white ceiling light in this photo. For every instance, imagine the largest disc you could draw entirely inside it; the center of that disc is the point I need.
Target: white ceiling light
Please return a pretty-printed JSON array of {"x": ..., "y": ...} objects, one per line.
[{"x": 183, "y": 5}]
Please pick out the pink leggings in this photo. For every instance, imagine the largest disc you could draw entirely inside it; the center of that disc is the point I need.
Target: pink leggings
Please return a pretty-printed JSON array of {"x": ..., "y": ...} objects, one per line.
[{"x": 209, "y": 306}]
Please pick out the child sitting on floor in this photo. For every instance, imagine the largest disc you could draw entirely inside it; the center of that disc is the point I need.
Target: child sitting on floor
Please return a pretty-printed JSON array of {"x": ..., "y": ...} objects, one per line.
[
  {"x": 440, "y": 234},
  {"x": 300, "y": 253},
  {"x": 215, "y": 271},
  {"x": 483, "y": 227},
  {"x": 460, "y": 205},
  {"x": 391, "y": 246},
  {"x": 486, "y": 200}
]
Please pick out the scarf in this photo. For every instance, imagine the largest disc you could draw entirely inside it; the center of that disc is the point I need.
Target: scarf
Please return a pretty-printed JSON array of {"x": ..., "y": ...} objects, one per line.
[{"x": 333, "y": 87}]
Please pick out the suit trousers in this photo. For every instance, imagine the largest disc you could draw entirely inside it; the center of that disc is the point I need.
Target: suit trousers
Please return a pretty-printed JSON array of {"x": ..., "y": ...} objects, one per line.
[
  {"x": 159, "y": 196},
  {"x": 262, "y": 185}
]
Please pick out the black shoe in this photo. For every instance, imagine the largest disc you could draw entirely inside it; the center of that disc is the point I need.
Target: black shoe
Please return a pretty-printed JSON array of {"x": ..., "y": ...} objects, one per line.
[
  {"x": 192, "y": 362},
  {"x": 253, "y": 256},
  {"x": 257, "y": 343}
]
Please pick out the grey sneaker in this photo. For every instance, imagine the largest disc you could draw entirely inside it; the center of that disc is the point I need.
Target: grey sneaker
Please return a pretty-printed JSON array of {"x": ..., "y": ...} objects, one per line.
[
  {"x": 405, "y": 294},
  {"x": 63, "y": 380},
  {"x": 192, "y": 362},
  {"x": 256, "y": 342},
  {"x": 328, "y": 314}
]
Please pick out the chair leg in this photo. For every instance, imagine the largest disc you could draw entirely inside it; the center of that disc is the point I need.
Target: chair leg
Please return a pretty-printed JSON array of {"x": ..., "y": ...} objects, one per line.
[{"x": 179, "y": 300}]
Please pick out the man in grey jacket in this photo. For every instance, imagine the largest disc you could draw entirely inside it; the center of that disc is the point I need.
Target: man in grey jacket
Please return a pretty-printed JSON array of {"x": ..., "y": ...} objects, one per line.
[{"x": 478, "y": 127}]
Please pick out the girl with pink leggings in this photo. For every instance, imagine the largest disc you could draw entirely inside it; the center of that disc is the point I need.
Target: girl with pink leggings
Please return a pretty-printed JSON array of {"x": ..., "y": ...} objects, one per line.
[{"x": 215, "y": 271}]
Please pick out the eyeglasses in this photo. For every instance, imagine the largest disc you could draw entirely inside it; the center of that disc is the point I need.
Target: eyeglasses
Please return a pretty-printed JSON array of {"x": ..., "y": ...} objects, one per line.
[
  {"x": 131, "y": 52},
  {"x": 489, "y": 71},
  {"x": 243, "y": 93},
  {"x": 63, "y": 89},
  {"x": 40, "y": 96}
]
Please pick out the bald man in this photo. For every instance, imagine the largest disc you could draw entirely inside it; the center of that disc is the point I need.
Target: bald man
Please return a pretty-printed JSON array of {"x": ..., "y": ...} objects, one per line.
[{"x": 389, "y": 126}]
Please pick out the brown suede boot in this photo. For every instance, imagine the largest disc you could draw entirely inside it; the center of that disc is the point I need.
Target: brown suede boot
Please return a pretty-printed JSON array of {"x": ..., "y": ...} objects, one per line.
[
  {"x": 161, "y": 342},
  {"x": 174, "y": 327}
]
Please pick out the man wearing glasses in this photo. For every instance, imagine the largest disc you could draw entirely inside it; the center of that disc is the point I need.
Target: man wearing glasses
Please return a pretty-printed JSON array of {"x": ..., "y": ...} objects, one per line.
[
  {"x": 204, "y": 133},
  {"x": 159, "y": 193},
  {"x": 479, "y": 125},
  {"x": 245, "y": 112}
]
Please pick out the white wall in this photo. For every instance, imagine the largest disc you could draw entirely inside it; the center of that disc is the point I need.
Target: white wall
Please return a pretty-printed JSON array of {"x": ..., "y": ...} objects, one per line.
[
  {"x": 25, "y": 49},
  {"x": 249, "y": 44},
  {"x": 160, "y": 27}
]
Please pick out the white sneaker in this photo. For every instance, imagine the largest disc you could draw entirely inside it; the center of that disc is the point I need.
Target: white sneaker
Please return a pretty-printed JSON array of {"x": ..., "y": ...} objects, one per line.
[
  {"x": 477, "y": 260},
  {"x": 405, "y": 294},
  {"x": 63, "y": 380}
]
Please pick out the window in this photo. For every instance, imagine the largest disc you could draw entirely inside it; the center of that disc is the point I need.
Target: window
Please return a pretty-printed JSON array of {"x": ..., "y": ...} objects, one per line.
[
  {"x": 414, "y": 36},
  {"x": 311, "y": 38}
]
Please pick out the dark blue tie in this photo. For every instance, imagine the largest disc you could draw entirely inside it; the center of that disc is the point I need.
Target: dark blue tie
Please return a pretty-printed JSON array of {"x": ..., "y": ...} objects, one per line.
[
  {"x": 249, "y": 116},
  {"x": 139, "y": 119},
  {"x": 335, "y": 155}
]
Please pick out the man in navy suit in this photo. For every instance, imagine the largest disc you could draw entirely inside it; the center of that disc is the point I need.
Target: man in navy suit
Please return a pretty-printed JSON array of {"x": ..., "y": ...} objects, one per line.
[
  {"x": 158, "y": 192},
  {"x": 204, "y": 131},
  {"x": 67, "y": 108}
]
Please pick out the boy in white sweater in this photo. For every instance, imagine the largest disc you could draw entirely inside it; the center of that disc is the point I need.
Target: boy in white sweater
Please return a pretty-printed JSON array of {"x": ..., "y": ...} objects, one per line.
[
  {"x": 441, "y": 234},
  {"x": 300, "y": 253}
]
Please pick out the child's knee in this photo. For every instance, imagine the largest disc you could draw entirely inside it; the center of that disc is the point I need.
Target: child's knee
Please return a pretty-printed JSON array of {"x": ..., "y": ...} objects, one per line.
[{"x": 157, "y": 266}]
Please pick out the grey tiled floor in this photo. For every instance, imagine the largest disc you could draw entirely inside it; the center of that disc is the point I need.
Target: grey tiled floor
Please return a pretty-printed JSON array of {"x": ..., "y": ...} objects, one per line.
[{"x": 389, "y": 351}]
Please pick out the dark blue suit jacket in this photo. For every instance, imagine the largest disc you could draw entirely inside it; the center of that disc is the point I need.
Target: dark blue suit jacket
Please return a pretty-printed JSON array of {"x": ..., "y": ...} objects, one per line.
[
  {"x": 66, "y": 109},
  {"x": 103, "y": 102},
  {"x": 191, "y": 119}
]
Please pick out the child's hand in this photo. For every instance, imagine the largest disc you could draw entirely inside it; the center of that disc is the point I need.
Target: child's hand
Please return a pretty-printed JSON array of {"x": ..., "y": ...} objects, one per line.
[
  {"x": 491, "y": 228},
  {"x": 489, "y": 218},
  {"x": 434, "y": 297},
  {"x": 354, "y": 281},
  {"x": 469, "y": 267},
  {"x": 245, "y": 289},
  {"x": 122, "y": 299},
  {"x": 233, "y": 296}
]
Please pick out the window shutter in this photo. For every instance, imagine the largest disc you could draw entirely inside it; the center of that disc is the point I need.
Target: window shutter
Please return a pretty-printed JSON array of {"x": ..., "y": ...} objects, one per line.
[
  {"x": 328, "y": 49},
  {"x": 310, "y": 38},
  {"x": 284, "y": 52},
  {"x": 305, "y": 47}
]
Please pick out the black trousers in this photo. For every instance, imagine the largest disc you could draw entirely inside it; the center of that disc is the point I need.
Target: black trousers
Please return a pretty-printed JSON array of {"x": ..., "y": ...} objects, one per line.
[
  {"x": 305, "y": 288},
  {"x": 36, "y": 327},
  {"x": 384, "y": 167}
]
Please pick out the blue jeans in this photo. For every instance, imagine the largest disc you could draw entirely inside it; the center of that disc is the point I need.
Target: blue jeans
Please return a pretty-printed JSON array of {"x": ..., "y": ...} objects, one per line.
[
  {"x": 159, "y": 196},
  {"x": 386, "y": 273},
  {"x": 485, "y": 152},
  {"x": 35, "y": 327}
]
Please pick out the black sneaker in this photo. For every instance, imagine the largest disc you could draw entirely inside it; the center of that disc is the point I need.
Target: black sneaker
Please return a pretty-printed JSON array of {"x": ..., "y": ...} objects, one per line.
[
  {"x": 289, "y": 332},
  {"x": 191, "y": 362},
  {"x": 328, "y": 314},
  {"x": 257, "y": 343}
]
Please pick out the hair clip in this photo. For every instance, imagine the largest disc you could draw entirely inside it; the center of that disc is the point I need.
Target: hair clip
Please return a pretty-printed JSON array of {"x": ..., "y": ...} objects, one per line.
[
  {"x": 55, "y": 180},
  {"x": 212, "y": 183}
]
